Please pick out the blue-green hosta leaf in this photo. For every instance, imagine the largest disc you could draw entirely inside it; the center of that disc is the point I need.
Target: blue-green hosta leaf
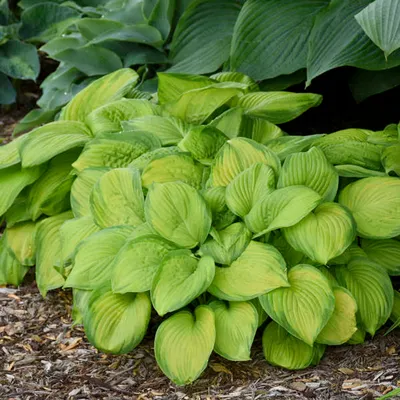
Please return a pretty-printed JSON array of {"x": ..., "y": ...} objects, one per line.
[
  {"x": 9, "y": 154},
  {"x": 13, "y": 180},
  {"x": 249, "y": 187},
  {"x": 355, "y": 171},
  {"x": 8, "y": 94},
  {"x": 237, "y": 155},
  {"x": 236, "y": 324},
  {"x": 375, "y": 205},
  {"x": 59, "y": 44},
  {"x": 90, "y": 28},
  {"x": 117, "y": 198},
  {"x": 229, "y": 244},
  {"x": 137, "y": 263},
  {"x": 221, "y": 215},
  {"x": 50, "y": 193},
  {"x": 236, "y": 77},
  {"x": 323, "y": 234},
  {"x": 278, "y": 107},
  {"x": 310, "y": 169},
  {"x": 282, "y": 208},
  {"x": 379, "y": 22},
  {"x": 203, "y": 143},
  {"x": 48, "y": 246},
  {"x": 82, "y": 188},
  {"x": 180, "y": 279},
  {"x": 104, "y": 90},
  {"x": 183, "y": 344},
  {"x": 92, "y": 263},
  {"x": 391, "y": 159},
  {"x": 173, "y": 168},
  {"x": 177, "y": 212},
  {"x": 284, "y": 350},
  {"x": 259, "y": 269},
  {"x": 109, "y": 118},
  {"x": 371, "y": 287},
  {"x": 116, "y": 323},
  {"x": 11, "y": 271},
  {"x": 160, "y": 14},
  {"x": 386, "y": 253},
  {"x": 52, "y": 139},
  {"x": 342, "y": 325},
  {"x": 305, "y": 307},
  {"x": 144, "y": 160}
]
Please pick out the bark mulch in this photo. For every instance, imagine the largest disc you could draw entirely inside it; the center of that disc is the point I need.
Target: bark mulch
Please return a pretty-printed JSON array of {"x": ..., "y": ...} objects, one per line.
[{"x": 43, "y": 357}]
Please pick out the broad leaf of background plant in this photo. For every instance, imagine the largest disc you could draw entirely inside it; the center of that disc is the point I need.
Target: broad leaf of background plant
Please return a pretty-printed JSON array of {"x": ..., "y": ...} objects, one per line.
[
  {"x": 7, "y": 91},
  {"x": 160, "y": 14}
]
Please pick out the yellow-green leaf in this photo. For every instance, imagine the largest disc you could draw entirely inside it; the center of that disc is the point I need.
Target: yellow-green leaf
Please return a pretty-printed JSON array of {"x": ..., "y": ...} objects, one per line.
[{"x": 20, "y": 240}]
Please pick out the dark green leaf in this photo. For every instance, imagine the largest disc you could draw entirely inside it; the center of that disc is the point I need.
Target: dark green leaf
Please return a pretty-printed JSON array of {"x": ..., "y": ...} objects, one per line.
[
  {"x": 144, "y": 55},
  {"x": 7, "y": 92},
  {"x": 59, "y": 44},
  {"x": 90, "y": 28}
]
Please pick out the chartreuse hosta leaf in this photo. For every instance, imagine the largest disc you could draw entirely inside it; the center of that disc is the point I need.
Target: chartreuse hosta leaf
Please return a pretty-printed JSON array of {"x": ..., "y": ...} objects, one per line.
[
  {"x": 92, "y": 263},
  {"x": 11, "y": 271},
  {"x": 48, "y": 246},
  {"x": 228, "y": 245},
  {"x": 391, "y": 159},
  {"x": 137, "y": 262},
  {"x": 109, "y": 88},
  {"x": 291, "y": 256},
  {"x": 50, "y": 193},
  {"x": 282, "y": 208},
  {"x": 342, "y": 325},
  {"x": 237, "y": 155},
  {"x": 375, "y": 205},
  {"x": 259, "y": 269},
  {"x": 49, "y": 140},
  {"x": 323, "y": 234},
  {"x": 355, "y": 171},
  {"x": 259, "y": 129},
  {"x": 143, "y": 161},
  {"x": 370, "y": 285},
  {"x": 180, "y": 278},
  {"x": 395, "y": 315},
  {"x": 178, "y": 212},
  {"x": 116, "y": 150},
  {"x": 262, "y": 315},
  {"x": 13, "y": 180},
  {"x": 229, "y": 122},
  {"x": 386, "y": 253},
  {"x": 116, "y": 323},
  {"x": 232, "y": 76},
  {"x": 358, "y": 337},
  {"x": 353, "y": 251},
  {"x": 80, "y": 300},
  {"x": 249, "y": 187},
  {"x": 221, "y": 215},
  {"x": 9, "y": 154},
  {"x": 183, "y": 344},
  {"x": 82, "y": 188},
  {"x": 310, "y": 169},
  {"x": 329, "y": 274},
  {"x": 117, "y": 198},
  {"x": 109, "y": 117},
  {"x": 236, "y": 324},
  {"x": 278, "y": 107},
  {"x": 303, "y": 308},
  {"x": 172, "y": 168}
]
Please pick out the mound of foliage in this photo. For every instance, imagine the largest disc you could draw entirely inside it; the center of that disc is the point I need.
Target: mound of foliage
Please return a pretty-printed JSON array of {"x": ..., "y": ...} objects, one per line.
[{"x": 195, "y": 204}]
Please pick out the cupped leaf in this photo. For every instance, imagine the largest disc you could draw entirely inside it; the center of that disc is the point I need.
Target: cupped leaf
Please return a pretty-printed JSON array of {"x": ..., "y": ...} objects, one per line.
[
  {"x": 259, "y": 269},
  {"x": 177, "y": 212},
  {"x": 323, "y": 234},
  {"x": 375, "y": 205},
  {"x": 116, "y": 323},
  {"x": 305, "y": 307},
  {"x": 282, "y": 208},
  {"x": 117, "y": 198},
  {"x": 20, "y": 240},
  {"x": 391, "y": 159},
  {"x": 229, "y": 122},
  {"x": 236, "y": 77},
  {"x": 183, "y": 344},
  {"x": 11, "y": 271},
  {"x": 259, "y": 129},
  {"x": 236, "y": 324},
  {"x": 143, "y": 161}
]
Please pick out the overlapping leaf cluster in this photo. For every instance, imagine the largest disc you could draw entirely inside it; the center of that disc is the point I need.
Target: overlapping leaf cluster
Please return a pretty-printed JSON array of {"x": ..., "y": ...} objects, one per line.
[{"x": 197, "y": 205}]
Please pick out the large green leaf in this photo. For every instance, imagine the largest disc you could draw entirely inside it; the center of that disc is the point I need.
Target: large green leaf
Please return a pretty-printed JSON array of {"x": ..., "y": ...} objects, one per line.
[
  {"x": 305, "y": 307},
  {"x": 391, "y": 159},
  {"x": 355, "y": 171},
  {"x": 375, "y": 205},
  {"x": 371, "y": 287},
  {"x": 259, "y": 269},
  {"x": 9, "y": 154},
  {"x": 144, "y": 160},
  {"x": 160, "y": 14},
  {"x": 8, "y": 94},
  {"x": 177, "y": 212},
  {"x": 33, "y": 119},
  {"x": 11, "y": 271},
  {"x": 183, "y": 344}
]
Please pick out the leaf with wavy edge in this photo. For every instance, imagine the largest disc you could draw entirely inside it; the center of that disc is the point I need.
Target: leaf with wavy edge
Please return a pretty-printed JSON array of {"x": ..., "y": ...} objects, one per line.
[{"x": 391, "y": 159}]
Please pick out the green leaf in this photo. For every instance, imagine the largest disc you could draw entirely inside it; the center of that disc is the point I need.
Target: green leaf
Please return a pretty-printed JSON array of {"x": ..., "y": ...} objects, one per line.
[
  {"x": 19, "y": 60},
  {"x": 378, "y": 20},
  {"x": 391, "y": 159},
  {"x": 18, "y": 212},
  {"x": 59, "y": 44},
  {"x": 52, "y": 139},
  {"x": 116, "y": 323},
  {"x": 305, "y": 307},
  {"x": 202, "y": 38},
  {"x": 117, "y": 198},
  {"x": 323, "y": 234},
  {"x": 179, "y": 280},
  {"x": 358, "y": 337},
  {"x": 236, "y": 77},
  {"x": 160, "y": 15},
  {"x": 177, "y": 212},
  {"x": 8, "y": 95},
  {"x": 310, "y": 169},
  {"x": 144, "y": 160},
  {"x": 259, "y": 129},
  {"x": 230, "y": 122},
  {"x": 236, "y": 324},
  {"x": 371, "y": 287},
  {"x": 291, "y": 256},
  {"x": 9, "y": 154},
  {"x": 354, "y": 171},
  {"x": 375, "y": 205},
  {"x": 259, "y": 269},
  {"x": 282, "y": 82},
  {"x": 395, "y": 315},
  {"x": 48, "y": 246},
  {"x": 11, "y": 271},
  {"x": 183, "y": 344},
  {"x": 90, "y": 28},
  {"x": 34, "y": 119},
  {"x": 282, "y": 208}
]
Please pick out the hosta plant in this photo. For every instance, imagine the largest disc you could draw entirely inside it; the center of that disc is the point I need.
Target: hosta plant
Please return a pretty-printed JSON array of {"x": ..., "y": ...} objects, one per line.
[{"x": 196, "y": 205}]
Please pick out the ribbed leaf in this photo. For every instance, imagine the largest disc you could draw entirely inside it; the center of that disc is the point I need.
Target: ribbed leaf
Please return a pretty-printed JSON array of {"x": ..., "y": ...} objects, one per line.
[
  {"x": 143, "y": 161},
  {"x": 20, "y": 240},
  {"x": 11, "y": 271},
  {"x": 236, "y": 77},
  {"x": 354, "y": 171},
  {"x": 9, "y": 154},
  {"x": 391, "y": 159},
  {"x": 259, "y": 129},
  {"x": 230, "y": 121}
]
